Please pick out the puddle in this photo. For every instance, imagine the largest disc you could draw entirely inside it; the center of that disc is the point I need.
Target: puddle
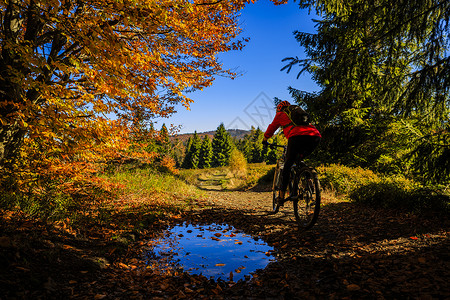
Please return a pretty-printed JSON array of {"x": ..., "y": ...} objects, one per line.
[{"x": 215, "y": 251}]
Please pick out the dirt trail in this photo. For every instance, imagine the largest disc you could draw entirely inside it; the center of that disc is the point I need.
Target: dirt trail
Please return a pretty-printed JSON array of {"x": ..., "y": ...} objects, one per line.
[{"x": 353, "y": 252}]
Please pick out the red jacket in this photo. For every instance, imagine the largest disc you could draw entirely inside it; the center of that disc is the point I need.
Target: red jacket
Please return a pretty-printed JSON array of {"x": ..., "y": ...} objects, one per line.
[{"x": 281, "y": 119}]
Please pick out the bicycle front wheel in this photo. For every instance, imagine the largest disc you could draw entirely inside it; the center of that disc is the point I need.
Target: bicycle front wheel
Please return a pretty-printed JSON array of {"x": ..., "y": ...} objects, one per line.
[
  {"x": 276, "y": 185},
  {"x": 307, "y": 205}
]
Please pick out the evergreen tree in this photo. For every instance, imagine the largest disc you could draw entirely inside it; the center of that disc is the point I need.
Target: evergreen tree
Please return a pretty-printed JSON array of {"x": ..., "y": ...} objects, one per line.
[
  {"x": 245, "y": 145},
  {"x": 195, "y": 151},
  {"x": 163, "y": 140},
  {"x": 187, "y": 162},
  {"x": 206, "y": 153},
  {"x": 383, "y": 68},
  {"x": 164, "y": 134},
  {"x": 272, "y": 155},
  {"x": 258, "y": 151},
  {"x": 222, "y": 147},
  {"x": 178, "y": 149}
]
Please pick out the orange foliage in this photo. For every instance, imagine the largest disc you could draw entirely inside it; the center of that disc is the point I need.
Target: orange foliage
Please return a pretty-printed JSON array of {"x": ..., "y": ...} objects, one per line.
[
  {"x": 73, "y": 74},
  {"x": 167, "y": 164}
]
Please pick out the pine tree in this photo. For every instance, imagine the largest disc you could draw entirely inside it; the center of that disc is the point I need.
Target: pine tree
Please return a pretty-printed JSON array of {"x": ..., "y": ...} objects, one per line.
[
  {"x": 245, "y": 145},
  {"x": 272, "y": 155},
  {"x": 163, "y": 140},
  {"x": 383, "y": 68},
  {"x": 222, "y": 147},
  {"x": 256, "y": 151},
  {"x": 195, "y": 151},
  {"x": 206, "y": 153},
  {"x": 187, "y": 161}
]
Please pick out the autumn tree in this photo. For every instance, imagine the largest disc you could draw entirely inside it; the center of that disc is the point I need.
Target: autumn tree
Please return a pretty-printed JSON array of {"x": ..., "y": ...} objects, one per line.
[
  {"x": 222, "y": 146},
  {"x": 66, "y": 66},
  {"x": 383, "y": 70}
]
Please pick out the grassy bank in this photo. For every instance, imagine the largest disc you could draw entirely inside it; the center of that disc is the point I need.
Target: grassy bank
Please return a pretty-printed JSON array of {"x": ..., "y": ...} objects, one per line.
[
  {"x": 381, "y": 190},
  {"x": 122, "y": 200}
]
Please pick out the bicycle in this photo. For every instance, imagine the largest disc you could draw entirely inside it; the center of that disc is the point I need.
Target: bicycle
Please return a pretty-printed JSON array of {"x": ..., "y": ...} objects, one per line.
[{"x": 304, "y": 190}]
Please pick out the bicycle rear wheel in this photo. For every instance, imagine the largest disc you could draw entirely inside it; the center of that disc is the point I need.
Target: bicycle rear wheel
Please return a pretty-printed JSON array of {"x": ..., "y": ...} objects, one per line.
[
  {"x": 307, "y": 205},
  {"x": 276, "y": 185}
]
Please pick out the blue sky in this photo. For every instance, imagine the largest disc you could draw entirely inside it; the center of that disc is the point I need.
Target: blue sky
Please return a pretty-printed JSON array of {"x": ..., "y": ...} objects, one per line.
[{"x": 248, "y": 100}]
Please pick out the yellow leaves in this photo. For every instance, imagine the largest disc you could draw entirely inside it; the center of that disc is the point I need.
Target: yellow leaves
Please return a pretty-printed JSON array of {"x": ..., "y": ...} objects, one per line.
[{"x": 117, "y": 56}]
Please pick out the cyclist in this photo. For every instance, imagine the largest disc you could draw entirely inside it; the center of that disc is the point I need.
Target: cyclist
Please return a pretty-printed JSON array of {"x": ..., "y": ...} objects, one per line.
[{"x": 302, "y": 139}]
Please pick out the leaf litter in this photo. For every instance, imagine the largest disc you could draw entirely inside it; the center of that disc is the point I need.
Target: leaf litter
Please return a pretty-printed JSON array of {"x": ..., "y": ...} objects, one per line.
[{"x": 353, "y": 252}]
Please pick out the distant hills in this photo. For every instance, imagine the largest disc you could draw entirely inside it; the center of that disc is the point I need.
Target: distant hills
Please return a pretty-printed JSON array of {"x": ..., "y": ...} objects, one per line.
[{"x": 234, "y": 133}]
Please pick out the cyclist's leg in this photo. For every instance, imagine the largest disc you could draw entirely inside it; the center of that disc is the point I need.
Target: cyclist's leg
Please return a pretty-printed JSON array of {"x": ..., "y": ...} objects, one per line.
[
  {"x": 307, "y": 144},
  {"x": 291, "y": 156}
]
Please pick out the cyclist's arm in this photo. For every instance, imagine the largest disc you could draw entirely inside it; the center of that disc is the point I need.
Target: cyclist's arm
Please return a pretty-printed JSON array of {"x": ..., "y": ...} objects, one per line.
[{"x": 273, "y": 126}]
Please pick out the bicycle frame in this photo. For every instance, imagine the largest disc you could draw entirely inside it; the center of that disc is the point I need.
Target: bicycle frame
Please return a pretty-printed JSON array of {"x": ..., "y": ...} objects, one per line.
[{"x": 304, "y": 190}]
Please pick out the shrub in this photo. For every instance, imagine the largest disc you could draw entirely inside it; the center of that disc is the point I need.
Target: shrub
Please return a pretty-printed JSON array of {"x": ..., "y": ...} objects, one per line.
[
  {"x": 398, "y": 192},
  {"x": 365, "y": 186},
  {"x": 238, "y": 163},
  {"x": 268, "y": 177},
  {"x": 167, "y": 165},
  {"x": 386, "y": 192}
]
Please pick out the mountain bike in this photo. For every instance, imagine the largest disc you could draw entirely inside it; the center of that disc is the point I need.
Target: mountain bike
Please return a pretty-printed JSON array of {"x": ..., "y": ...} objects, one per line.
[{"x": 303, "y": 190}]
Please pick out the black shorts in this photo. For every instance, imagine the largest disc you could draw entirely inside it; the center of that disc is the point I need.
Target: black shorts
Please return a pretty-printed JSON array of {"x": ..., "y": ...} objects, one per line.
[{"x": 297, "y": 145}]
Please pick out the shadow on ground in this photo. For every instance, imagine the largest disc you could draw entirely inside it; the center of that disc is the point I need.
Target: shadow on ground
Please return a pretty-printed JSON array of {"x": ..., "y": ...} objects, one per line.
[{"x": 353, "y": 252}]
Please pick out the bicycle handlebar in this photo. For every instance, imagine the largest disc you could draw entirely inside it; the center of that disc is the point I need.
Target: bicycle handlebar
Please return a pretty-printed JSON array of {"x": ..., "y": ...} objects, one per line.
[{"x": 266, "y": 143}]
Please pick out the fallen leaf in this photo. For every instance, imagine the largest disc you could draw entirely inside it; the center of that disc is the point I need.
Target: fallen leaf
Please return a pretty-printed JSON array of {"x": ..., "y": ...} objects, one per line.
[
  {"x": 353, "y": 287},
  {"x": 422, "y": 260},
  {"x": 123, "y": 265}
]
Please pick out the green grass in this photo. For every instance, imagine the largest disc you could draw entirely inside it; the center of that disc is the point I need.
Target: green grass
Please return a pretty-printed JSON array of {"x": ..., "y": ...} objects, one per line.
[
  {"x": 147, "y": 182},
  {"x": 134, "y": 193},
  {"x": 256, "y": 174}
]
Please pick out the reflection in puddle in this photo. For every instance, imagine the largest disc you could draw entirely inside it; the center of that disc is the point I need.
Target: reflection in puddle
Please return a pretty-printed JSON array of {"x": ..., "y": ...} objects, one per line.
[{"x": 218, "y": 251}]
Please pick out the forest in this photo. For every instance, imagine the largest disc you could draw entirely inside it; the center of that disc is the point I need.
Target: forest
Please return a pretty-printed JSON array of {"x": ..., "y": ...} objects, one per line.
[{"x": 85, "y": 84}]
